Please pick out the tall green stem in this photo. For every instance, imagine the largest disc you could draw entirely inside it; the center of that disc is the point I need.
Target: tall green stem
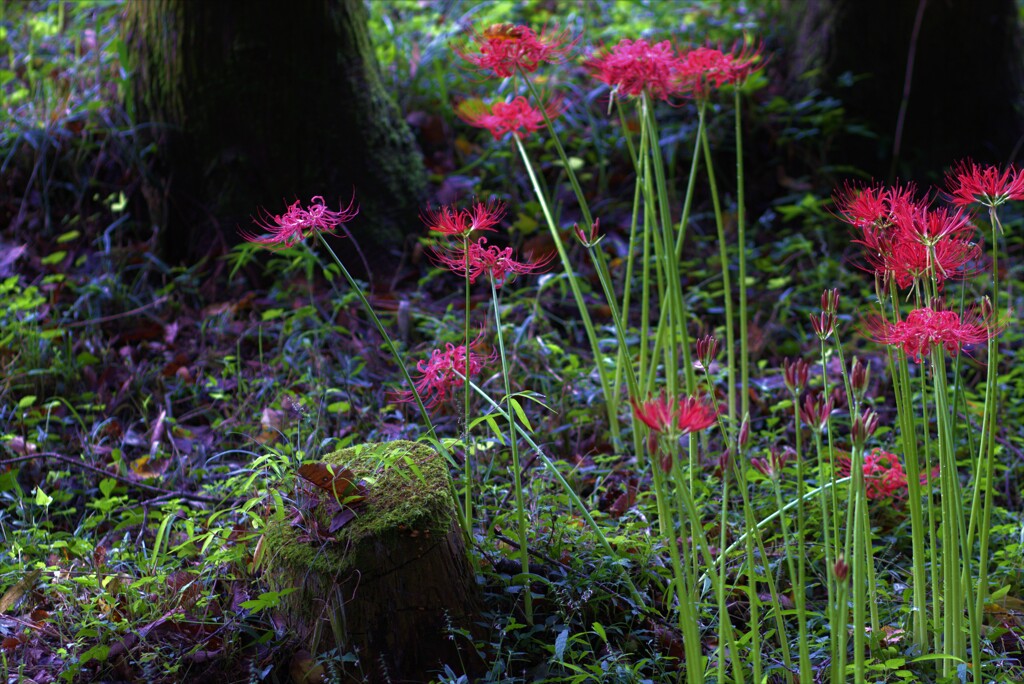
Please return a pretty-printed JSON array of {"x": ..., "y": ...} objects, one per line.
[{"x": 524, "y": 555}]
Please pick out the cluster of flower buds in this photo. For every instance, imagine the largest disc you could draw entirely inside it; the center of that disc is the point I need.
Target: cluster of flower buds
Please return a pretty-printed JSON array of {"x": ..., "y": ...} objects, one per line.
[
  {"x": 707, "y": 350},
  {"x": 824, "y": 323},
  {"x": 815, "y": 411},
  {"x": 864, "y": 426},
  {"x": 590, "y": 239},
  {"x": 773, "y": 465},
  {"x": 795, "y": 375}
]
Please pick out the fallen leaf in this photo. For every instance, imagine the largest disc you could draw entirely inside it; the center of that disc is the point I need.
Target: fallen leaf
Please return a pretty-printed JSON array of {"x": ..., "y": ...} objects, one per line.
[
  {"x": 341, "y": 484},
  {"x": 13, "y": 595}
]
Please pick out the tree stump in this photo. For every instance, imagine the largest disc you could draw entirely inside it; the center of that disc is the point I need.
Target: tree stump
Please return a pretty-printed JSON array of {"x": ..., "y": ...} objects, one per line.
[{"x": 394, "y": 585}]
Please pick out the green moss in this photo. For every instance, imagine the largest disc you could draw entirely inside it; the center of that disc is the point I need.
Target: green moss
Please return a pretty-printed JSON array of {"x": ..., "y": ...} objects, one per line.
[{"x": 409, "y": 489}]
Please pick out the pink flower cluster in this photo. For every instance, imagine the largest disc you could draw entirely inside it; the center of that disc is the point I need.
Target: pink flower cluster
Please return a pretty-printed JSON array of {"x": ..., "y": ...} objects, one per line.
[
  {"x": 506, "y": 49},
  {"x": 440, "y": 374},
  {"x": 479, "y": 258},
  {"x": 905, "y": 239},
  {"x": 517, "y": 117},
  {"x": 634, "y": 67},
  {"x": 681, "y": 416},
  {"x": 924, "y": 328},
  {"x": 298, "y": 223},
  {"x": 884, "y": 476}
]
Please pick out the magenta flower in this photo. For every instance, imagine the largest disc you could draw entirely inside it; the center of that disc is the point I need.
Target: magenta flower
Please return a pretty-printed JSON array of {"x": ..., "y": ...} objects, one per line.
[
  {"x": 633, "y": 67},
  {"x": 501, "y": 118},
  {"x": 298, "y": 223},
  {"x": 479, "y": 258},
  {"x": 926, "y": 327},
  {"x": 682, "y": 416},
  {"x": 971, "y": 183},
  {"x": 461, "y": 222},
  {"x": 440, "y": 374},
  {"x": 505, "y": 49},
  {"x": 704, "y": 68}
]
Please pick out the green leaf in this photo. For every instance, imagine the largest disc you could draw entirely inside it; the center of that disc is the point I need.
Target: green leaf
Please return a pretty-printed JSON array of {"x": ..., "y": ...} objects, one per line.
[
  {"x": 599, "y": 631},
  {"x": 98, "y": 652},
  {"x": 107, "y": 485},
  {"x": 520, "y": 413},
  {"x": 42, "y": 498},
  {"x": 27, "y": 401},
  {"x": 54, "y": 258},
  {"x": 269, "y": 599},
  {"x": 560, "y": 641},
  {"x": 271, "y": 314},
  {"x": 68, "y": 236}
]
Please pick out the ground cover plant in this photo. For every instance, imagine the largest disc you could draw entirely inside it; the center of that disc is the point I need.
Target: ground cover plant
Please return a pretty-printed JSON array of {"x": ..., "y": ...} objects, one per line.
[{"x": 688, "y": 441}]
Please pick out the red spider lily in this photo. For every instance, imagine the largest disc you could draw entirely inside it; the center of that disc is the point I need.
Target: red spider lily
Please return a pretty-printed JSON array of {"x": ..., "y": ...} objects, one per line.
[
  {"x": 884, "y": 476},
  {"x": 929, "y": 226},
  {"x": 505, "y": 49},
  {"x": 906, "y": 240},
  {"x": 633, "y": 67},
  {"x": 298, "y": 223},
  {"x": 873, "y": 205},
  {"x": 682, "y": 416},
  {"x": 971, "y": 183},
  {"x": 497, "y": 262},
  {"x": 923, "y": 328},
  {"x": 705, "y": 68},
  {"x": 501, "y": 118},
  {"x": 461, "y": 222},
  {"x": 440, "y": 373}
]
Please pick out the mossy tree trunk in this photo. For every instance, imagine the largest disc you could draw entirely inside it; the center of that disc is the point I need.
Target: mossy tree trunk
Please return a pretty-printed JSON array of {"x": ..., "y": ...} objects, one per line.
[
  {"x": 965, "y": 85},
  {"x": 256, "y": 104},
  {"x": 394, "y": 586}
]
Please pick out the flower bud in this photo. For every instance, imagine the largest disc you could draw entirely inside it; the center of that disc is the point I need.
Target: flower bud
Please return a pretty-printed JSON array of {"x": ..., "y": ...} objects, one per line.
[
  {"x": 593, "y": 238},
  {"x": 860, "y": 374},
  {"x": 830, "y": 301},
  {"x": 795, "y": 374},
  {"x": 744, "y": 437},
  {"x": 707, "y": 350},
  {"x": 864, "y": 426},
  {"x": 841, "y": 569}
]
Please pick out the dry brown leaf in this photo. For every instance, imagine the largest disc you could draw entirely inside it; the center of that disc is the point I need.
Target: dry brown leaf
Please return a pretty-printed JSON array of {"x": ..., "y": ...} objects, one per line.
[{"x": 13, "y": 595}]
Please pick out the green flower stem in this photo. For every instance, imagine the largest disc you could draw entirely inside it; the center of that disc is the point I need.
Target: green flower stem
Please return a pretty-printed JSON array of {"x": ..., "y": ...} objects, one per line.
[
  {"x": 800, "y": 584},
  {"x": 753, "y": 533},
  {"x": 687, "y": 615},
  {"x": 611, "y": 400},
  {"x": 405, "y": 374},
  {"x": 524, "y": 555},
  {"x": 574, "y": 498},
  {"x": 723, "y": 253},
  {"x": 468, "y": 465},
  {"x": 861, "y": 570},
  {"x": 742, "y": 246},
  {"x": 677, "y": 303},
  {"x": 954, "y": 557}
]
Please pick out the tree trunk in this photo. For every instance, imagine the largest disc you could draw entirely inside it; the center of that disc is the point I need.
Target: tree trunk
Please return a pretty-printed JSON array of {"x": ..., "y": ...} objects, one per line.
[
  {"x": 253, "y": 104},
  {"x": 964, "y": 89},
  {"x": 394, "y": 585}
]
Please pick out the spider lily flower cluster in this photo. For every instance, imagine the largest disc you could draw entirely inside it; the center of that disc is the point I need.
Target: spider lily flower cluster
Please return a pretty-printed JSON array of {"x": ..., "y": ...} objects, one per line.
[{"x": 298, "y": 223}]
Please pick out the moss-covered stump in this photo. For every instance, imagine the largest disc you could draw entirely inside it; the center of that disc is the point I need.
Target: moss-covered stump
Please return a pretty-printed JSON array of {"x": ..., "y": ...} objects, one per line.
[{"x": 394, "y": 583}]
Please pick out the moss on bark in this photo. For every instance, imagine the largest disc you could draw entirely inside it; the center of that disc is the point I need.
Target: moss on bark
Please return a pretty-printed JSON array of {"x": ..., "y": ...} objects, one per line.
[{"x": 395, "y": 581}]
